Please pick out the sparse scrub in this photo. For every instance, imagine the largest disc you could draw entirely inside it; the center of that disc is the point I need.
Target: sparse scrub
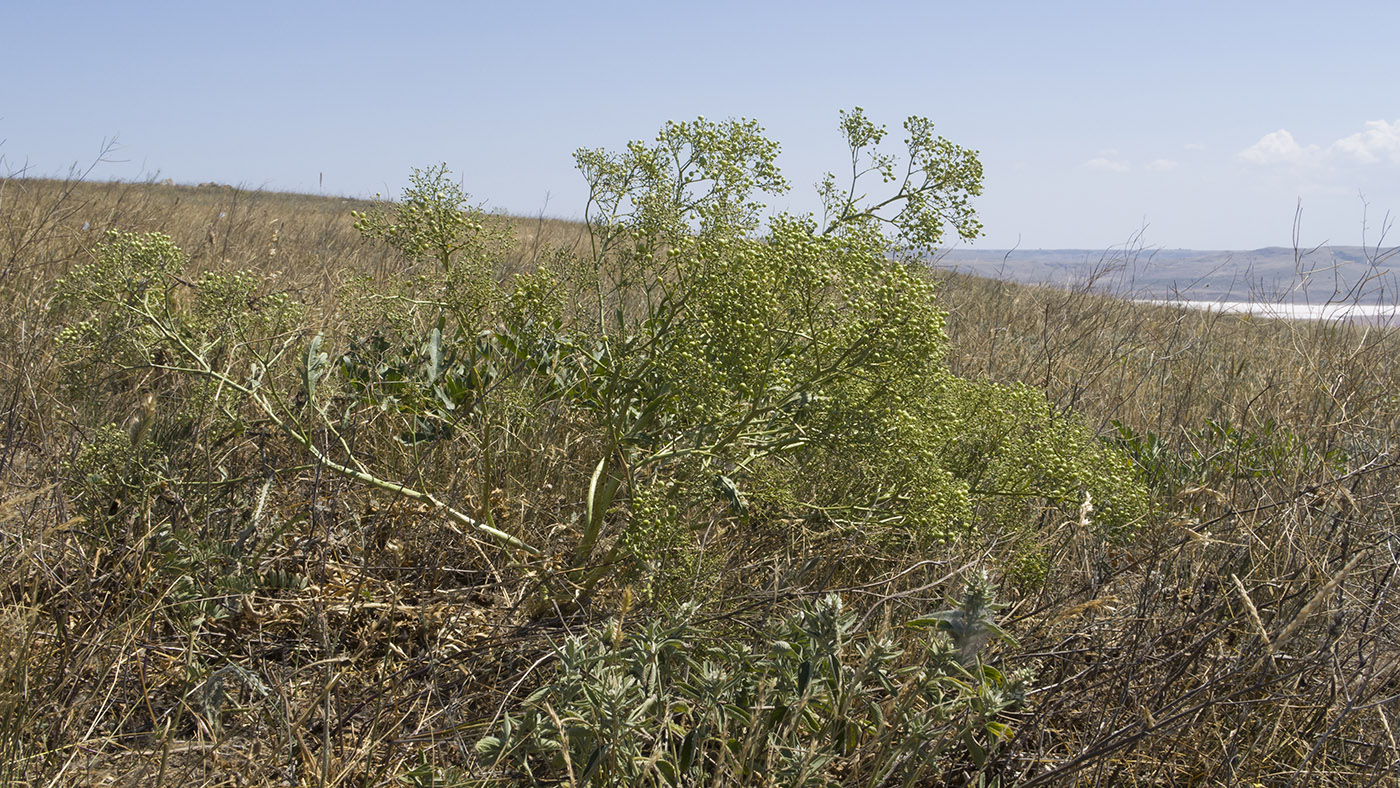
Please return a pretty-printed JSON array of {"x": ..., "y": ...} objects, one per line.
[{"x": 299, "y": 490}]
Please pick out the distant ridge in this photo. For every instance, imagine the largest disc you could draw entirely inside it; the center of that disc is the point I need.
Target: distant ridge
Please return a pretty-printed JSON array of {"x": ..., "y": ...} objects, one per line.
[{"x": 1274, "y": 273}]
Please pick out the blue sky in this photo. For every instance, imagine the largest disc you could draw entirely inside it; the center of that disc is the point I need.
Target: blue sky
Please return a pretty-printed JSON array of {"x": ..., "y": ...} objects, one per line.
[{"x": 1204, "y": 122}]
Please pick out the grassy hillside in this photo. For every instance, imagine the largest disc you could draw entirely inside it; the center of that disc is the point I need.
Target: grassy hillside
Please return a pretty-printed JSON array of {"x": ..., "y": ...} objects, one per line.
[
  {"x": 407, "y": 525},
  {"x": 1326, "y": 274}
]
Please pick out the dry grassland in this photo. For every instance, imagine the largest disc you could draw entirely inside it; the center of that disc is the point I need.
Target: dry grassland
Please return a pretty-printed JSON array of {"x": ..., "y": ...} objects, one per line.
[{"x": 289, "y": 626}]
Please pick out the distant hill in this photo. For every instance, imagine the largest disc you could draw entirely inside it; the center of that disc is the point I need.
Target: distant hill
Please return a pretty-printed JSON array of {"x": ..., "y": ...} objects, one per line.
[{"x": 1274, "y": 273}]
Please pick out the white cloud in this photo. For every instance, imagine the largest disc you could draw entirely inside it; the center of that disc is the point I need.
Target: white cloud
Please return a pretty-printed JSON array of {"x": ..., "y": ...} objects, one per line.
[
  {"x": 1379, "y": 141},
  {"x": 1279, "y": 147},
  {"x": 1376, "y": 143},
  {"x": 1162, "y": 165},
  {"x": 1194, "y": 146},
  {"x": 1106, "y": 164}
]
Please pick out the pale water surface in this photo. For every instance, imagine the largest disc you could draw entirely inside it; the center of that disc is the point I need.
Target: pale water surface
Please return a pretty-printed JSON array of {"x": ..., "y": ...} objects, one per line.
[{"x": 1384, "y": 314}]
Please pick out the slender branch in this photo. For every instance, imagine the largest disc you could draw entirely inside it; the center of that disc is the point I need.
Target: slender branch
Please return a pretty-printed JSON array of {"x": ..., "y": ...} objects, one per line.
[{"x": 204, "y": 368}]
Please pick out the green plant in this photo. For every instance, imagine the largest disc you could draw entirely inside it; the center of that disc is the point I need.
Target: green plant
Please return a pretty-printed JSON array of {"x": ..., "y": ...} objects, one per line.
[
  {"x": 699, "y": 348},
  {"x": 935, "y": 185},
  {"x": 242, "y": 343},
  {"x": 813, "y": 701},
  {"x": 713, "y": 349},
  {"x": 433, "y": 220},
  {"x": 1223, "y": 450}
]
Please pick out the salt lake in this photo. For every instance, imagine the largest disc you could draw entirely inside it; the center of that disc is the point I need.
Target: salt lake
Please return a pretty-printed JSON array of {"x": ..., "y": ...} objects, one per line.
[{"x": 1382, "y": 314}]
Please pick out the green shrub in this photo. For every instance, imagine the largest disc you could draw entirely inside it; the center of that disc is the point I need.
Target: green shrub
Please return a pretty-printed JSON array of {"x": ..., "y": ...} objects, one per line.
[
  {"x": 704, "y": 359},
  {"x": 434, "y": 221},
  {"x": 812, "y": 701},
  {"x": 805, "y": 355}
]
